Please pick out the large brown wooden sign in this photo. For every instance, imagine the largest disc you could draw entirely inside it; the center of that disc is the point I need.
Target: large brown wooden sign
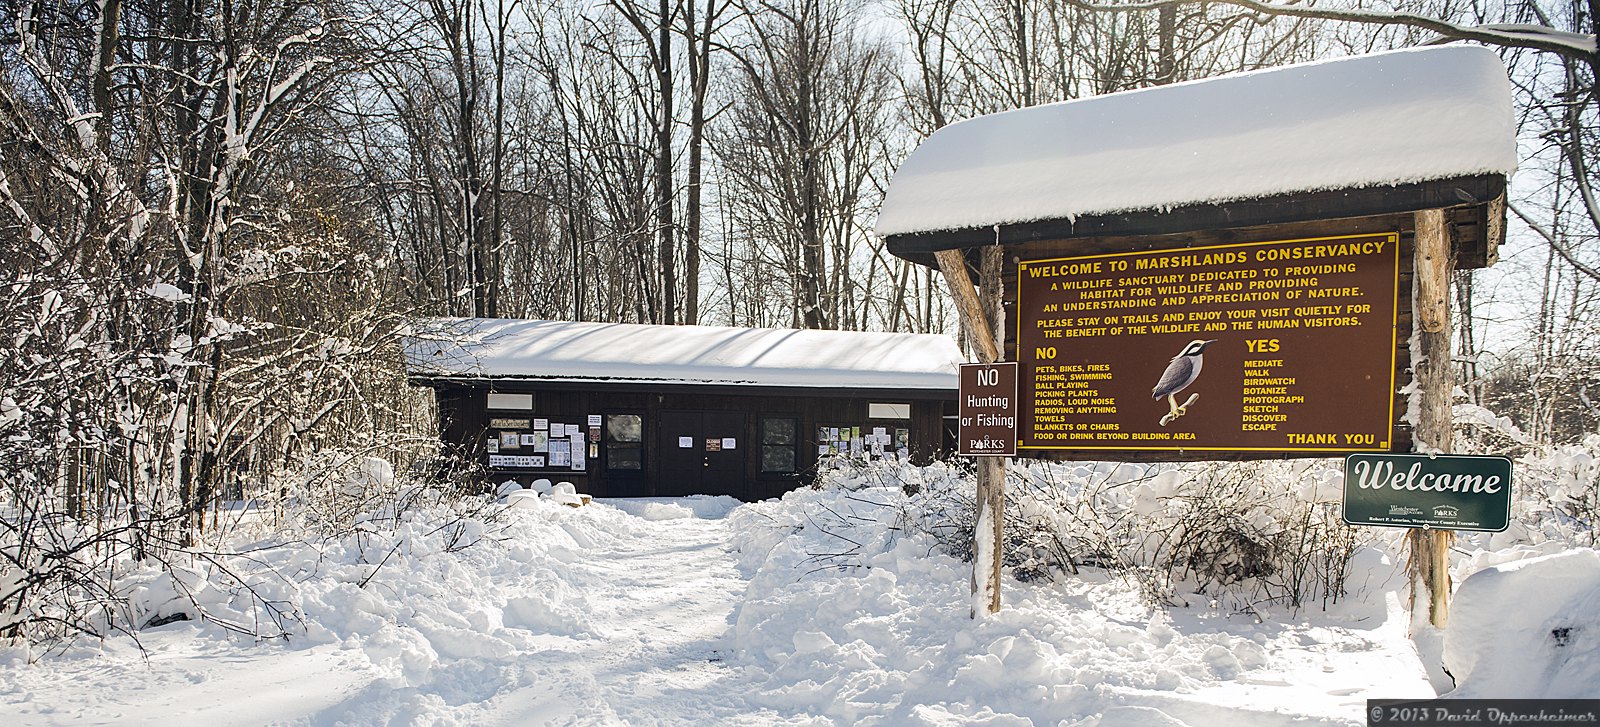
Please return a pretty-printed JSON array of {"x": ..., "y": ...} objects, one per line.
[{"x": 1278, "y": 346}]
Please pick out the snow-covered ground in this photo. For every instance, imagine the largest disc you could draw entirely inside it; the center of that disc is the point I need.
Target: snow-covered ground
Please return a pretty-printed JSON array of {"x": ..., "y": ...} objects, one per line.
[{"x": 813, "y": 610}]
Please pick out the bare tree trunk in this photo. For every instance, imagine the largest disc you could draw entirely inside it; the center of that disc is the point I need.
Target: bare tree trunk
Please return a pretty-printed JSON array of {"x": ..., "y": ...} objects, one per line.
[
  {"x": 461, "y": 37},
  {"x": 994, "y": 313},
  {"x": 664, "y": 185},
  {"x": 1468, "y": 344},
  {"x": 656, "y": 35},
  {"x": 699, "y": 57},
  {"x": 805, "y": 141},
  {"x": 1167, "y": 29},
  {"x": 988, "y": 534},
  {"x": 930, "y": 41},
  {"x": 1019, "y": 20},
  {"x": 497, "y": 226},
  {"x": 897, "y": 299}
]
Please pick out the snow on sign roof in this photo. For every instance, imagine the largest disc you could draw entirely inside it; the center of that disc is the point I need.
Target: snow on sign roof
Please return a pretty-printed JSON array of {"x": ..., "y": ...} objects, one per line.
[
  {"x": 1383, "y": 119},
  {"x": 563, "y": 350}
]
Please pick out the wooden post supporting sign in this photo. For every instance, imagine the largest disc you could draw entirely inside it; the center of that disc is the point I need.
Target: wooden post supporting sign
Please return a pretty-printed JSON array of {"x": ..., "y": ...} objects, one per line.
[
  {"x": 990, "y": 470},
  {"x": 988, "y": 433},
  {"x": 1432, "y": 266},
  {"x": 954, "y": 267}
]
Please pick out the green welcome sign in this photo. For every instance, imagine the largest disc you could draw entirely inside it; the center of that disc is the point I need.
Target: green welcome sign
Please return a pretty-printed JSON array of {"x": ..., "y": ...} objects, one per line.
[{"x": 1449, "y": 492}]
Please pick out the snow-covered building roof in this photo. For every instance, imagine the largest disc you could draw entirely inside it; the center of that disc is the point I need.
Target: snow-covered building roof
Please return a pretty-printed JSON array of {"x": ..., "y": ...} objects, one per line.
[
  {"x": 504, "y": 349},
  {"x": 1392, "y": 118}
]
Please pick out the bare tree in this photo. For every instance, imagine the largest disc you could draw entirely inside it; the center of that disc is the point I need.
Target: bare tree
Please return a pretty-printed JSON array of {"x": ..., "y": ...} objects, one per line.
[
  {"x": 655, "y": 30},
  {"x": 700, "y": 39},
  {"x": 806, "y": 138},
  {"x": 163, "y": 254}
]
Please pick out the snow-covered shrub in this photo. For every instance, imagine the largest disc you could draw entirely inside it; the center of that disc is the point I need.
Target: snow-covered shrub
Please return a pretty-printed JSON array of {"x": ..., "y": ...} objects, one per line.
[
  {"x": 1247, "y": 531},
  {"x": 49, "y": 582},
  {"x": 1556, "y": 486},
  {"x": 132, "y": 436},
  {"x": 1237, "y": 532},
  {"x": 333, "y": 491},
  {"x": 1562, "y": 488},
  {"x": 1243, "y": 532}
]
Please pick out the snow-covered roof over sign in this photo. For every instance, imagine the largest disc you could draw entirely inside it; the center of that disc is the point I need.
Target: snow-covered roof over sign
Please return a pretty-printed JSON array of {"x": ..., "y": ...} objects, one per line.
[
  {"x": 573, "y": 351},
  {"x": 1391, "y": 118}
]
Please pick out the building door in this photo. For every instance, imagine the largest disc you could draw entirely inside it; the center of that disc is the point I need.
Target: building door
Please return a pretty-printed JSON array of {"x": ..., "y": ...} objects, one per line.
[{"x": 702, "y": 453}]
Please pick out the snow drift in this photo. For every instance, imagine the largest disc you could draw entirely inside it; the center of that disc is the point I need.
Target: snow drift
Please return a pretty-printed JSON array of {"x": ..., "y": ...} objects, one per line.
[{"x": 1528, "y": 629}]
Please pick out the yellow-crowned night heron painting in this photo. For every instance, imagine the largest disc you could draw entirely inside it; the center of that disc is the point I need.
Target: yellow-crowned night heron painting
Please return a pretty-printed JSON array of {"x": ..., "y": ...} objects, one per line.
[{"x": 1182, "y": 372}]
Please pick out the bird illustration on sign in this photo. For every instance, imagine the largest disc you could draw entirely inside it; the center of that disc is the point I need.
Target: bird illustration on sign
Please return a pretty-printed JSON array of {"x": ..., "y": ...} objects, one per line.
[{"x": 1180, "y": 373}]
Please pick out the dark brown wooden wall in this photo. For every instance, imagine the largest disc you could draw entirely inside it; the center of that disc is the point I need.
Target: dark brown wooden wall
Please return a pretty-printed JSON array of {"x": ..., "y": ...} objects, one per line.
[{"x": 464, "y": 428}]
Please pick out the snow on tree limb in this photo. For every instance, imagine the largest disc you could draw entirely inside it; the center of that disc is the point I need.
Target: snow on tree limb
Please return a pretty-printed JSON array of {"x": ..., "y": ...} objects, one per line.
[
  {"x": 100, "y": 167},
  {"x": 1536, "y": 37},
  {"x": 1581, "y": 43}
]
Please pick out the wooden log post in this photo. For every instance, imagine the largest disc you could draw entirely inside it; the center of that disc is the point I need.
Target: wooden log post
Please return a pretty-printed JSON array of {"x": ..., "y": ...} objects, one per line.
[
  {"x": 991, "y": 495},
  {"x": 1432, "y": 265},
  {"x": 954, "y": 267},
  {"x": 988, "y": 532}
]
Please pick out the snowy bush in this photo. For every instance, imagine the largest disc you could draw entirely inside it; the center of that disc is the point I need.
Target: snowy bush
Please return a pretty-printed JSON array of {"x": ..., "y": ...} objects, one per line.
[
  {"x": 1562, "y": 489},
  {"x": 1555, "y": 495},
  {"x": 1238, "y": 533},
  {"x": 138, "y": 431}
]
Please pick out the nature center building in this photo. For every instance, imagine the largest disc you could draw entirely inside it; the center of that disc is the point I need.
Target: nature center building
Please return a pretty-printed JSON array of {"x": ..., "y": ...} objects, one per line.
[{"x": 628, "y": 410}]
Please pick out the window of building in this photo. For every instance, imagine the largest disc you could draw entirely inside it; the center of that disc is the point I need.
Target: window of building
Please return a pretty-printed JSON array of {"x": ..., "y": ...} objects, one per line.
[
  {"x": 876, "y": 410},
  {"x": 624, "y": 442},
  {"x": 510, "y": 401},
  {"x": 780, "y": 438}
]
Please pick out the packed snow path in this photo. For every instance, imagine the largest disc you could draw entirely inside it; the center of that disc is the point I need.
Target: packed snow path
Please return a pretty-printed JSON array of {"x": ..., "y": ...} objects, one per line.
[{"x": 660, "y": 606}]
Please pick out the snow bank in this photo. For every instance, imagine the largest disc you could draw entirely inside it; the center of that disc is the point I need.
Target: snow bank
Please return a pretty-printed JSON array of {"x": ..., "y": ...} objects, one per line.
[
  {"x": 471, "y": 613},
  {"x": 1528, "y": 629},
  {"x": 437, "y": 592},
  {"x": 849, "y": 611},
  {"x": 853, "y": 618},
  {"x": 1382, "y": 119}
]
